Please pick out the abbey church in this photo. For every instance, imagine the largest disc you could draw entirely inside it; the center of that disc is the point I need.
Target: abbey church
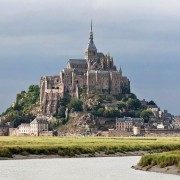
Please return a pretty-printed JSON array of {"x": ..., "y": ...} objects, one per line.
[{"x": 96, "y": 73}]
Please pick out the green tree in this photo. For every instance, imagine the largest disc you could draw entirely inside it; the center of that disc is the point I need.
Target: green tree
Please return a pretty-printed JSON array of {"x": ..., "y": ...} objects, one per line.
[
  {"x": 111, "y": 113},
  {"x": 133, "y": 96},
  {"x": 76, "y": 105},
  {"x": 100, "y": 111},
  {"x": 33, "y": 88},
  {"x": 146, "y": 114},
  {"x": 61, "y": 112},
  {"x": 21, "y": 110},
  {"x": 57, "y": 123},
  {"x": 152, "y": 103},
  {"x": 128, "y": 114},
  {"x": 133, "y": 103},
  {"x": 121, "y": 105},
  {"x": 137, "y": 113}
]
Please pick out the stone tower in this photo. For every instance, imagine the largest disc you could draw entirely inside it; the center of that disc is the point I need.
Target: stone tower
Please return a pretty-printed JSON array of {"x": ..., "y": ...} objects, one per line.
[{"x": 91, "y": 51}]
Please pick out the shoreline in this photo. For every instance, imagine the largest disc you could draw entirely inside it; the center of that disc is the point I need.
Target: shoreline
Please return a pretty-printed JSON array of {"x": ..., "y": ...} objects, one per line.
[
  {"x": 166, "y": 170},
  {"x": 51, "y": 156}
]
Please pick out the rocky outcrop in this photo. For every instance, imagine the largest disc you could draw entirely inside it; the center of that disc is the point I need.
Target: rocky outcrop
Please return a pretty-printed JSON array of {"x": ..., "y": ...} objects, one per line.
[{"x": 78, "y": 124}]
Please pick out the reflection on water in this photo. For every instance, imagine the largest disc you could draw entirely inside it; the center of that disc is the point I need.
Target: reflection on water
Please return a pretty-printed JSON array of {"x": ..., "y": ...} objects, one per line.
[{"x": 109, "y": 168}]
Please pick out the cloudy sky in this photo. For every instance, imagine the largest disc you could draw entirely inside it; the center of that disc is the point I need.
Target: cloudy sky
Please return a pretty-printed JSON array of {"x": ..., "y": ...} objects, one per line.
[{"x": 38, "y": 36}]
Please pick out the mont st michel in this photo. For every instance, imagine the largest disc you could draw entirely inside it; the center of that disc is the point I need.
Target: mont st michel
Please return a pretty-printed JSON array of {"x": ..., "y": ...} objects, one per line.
[
  {"x": 96, "y": 73},
  {"x": 89, "y": 98}
]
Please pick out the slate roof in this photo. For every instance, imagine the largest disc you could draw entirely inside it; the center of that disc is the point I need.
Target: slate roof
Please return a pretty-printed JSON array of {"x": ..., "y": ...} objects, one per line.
[
  {"x": 129, "y": 119},
  {"x": 77, "y": 61},
  {"x": 40, "y": 119}
]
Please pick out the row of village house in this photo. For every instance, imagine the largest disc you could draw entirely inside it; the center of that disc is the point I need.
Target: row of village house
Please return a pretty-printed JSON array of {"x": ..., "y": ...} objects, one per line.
[
  {"x": 38, "y": 127},
  {"x": 126, "y": 126}
]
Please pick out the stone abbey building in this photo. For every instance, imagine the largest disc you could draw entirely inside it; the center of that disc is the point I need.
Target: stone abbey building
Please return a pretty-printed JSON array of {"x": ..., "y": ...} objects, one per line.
[{"x": 96, "y": 72}]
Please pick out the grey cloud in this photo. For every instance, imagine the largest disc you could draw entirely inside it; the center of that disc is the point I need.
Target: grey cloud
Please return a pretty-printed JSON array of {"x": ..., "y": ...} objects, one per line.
[{"x": 37, "y": 38}]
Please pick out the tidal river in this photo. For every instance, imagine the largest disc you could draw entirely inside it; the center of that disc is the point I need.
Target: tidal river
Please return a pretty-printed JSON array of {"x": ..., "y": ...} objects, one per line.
[{"x": 105, "y": 168}]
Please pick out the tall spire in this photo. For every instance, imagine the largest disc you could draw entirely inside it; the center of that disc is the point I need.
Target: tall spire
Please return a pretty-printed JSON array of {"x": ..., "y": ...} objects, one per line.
[
  {"x": 91, "y": 45},
  {"x": 91, "y": 33},
  {"x": 91, "y": 51},
  {"x": 91, "y": 25}
]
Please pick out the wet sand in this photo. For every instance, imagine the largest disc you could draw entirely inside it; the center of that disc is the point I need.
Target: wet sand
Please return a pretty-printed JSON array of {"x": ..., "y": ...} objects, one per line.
[
  {"x": 97, "y": 154},
  {"x": 166, "y": 170}
]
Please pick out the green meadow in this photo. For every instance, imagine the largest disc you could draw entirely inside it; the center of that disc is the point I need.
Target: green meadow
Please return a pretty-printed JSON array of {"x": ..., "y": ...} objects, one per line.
[
  {"x": 71, "y": 146},
  {"x": 161, "y": 159}
]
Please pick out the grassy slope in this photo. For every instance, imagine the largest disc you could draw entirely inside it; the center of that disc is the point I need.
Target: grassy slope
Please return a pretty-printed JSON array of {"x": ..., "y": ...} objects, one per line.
[
  {"x": 161, "y": 159},
  {"x": 24, "y": 109},
  {"x": 83, "y": 145}
]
